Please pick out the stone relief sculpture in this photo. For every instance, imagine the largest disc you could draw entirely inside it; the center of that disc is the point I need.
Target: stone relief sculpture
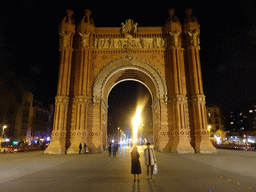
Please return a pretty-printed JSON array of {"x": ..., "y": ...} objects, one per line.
[
  {"x": 64, "y": 38},
  {"x": 175, "y": 38},
  {"x": 84, "y": 38},
  {"x": 194, "y": 37},
  {"x": 133, "y": 43}
]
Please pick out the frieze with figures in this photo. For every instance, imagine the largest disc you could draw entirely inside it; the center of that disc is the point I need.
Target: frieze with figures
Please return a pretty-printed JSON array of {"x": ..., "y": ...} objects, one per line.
[{"x": 129, "y": 43}]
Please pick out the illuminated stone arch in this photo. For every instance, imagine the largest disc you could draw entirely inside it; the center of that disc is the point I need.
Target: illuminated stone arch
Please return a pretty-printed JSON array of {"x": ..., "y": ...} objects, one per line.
[
  {"x": 179, "y": 117},
  {"x": 129, "y": 68}
]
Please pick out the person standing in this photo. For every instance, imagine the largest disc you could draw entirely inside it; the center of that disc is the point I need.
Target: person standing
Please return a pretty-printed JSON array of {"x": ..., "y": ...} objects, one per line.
[
  {"x": 109, "y": 150},
  {"x": 85, "y": 148},
  {"x": 136, "y": 168},
  {"x": 80, "y": 148},
  {"x": 150, "y": 159},
  {"x": 115, "y": 148}
]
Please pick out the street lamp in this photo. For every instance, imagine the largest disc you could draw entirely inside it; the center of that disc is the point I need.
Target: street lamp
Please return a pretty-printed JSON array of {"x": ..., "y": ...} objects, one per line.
[
  {"x": 118, "y": 129},
  {"x": 209, "y": 128},
  {"x": 4, "y": 127},
  {"x": 2, "y": 138}
]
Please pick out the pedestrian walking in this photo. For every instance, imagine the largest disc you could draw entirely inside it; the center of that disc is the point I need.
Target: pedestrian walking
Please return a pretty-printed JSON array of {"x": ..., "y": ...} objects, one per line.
[
  {"x": 150, "y": 160},
  {"x": 80, "y": 148},
  {"x": 136, "y": 168},
  {"x": 109, "y": 150},
  {"x": 115, "y": 148},
  {"x": 85, "y": 148}
]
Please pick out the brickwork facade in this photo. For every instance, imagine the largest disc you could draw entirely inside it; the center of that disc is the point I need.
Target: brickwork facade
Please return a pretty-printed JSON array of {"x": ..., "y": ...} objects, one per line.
[{"x": 165, "y": 59}]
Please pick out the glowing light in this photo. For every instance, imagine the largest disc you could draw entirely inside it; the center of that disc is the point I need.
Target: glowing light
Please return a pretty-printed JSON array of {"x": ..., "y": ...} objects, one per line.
[
  {"x": 15, "y": 142},
  {"x": 209, "y": 127},
  {"x": 136, "y": 122},
  {"x": 137, "y": 119},
  {"x": 218, "y": 139}
]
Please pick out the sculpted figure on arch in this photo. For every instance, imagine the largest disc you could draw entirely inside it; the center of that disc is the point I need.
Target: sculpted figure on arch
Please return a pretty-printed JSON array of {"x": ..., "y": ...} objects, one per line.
[
  {"x": 194, "y": 37},
  {"x": 175, "y": 37}
]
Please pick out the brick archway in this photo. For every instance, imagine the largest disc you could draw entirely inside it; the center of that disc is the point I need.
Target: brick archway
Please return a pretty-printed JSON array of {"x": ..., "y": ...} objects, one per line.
[
  {"x": 165, "y": 59},
  {"x": 129, "y": 68}
]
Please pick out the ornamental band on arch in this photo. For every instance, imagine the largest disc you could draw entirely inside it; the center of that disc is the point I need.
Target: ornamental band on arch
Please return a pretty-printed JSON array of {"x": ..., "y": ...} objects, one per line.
[{"x": 165, "y": 59}]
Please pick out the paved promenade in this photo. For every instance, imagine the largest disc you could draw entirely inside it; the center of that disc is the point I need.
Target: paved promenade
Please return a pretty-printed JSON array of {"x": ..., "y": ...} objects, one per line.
[{"x": 229, "y": 171}]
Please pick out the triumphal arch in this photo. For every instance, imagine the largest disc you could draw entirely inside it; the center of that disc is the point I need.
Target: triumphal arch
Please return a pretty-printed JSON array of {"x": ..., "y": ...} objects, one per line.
[{"x": 165, "y": 59}]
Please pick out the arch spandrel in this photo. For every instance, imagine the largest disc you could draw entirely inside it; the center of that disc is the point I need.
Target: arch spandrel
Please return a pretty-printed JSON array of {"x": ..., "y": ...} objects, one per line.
[{"x": 152, "y": 79}]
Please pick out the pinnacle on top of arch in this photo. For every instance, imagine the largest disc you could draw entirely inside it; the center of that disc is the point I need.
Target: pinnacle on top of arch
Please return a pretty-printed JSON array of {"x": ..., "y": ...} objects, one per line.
[
  {"x": 69, "y": 12},
  {"x": 68, "y": 19},
  {"x": 86, "y": 18},
  {"x": 172, "y": 17},
  {"x": 190, "y": 17}
]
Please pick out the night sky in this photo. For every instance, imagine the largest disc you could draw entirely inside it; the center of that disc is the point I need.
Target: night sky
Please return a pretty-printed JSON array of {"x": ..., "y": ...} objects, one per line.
[{"x": 29, "y": 42}]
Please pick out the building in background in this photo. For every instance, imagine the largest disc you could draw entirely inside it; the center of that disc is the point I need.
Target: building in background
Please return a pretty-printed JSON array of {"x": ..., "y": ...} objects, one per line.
[
  {"x": 215, "y": 119},
  {"x": 23, "y": 122},
  {"x": 241, "y": 124},
  {"x": 33, "y": 121}
]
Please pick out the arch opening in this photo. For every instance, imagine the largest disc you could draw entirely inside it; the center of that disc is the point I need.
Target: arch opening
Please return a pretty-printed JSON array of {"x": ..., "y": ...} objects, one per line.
[
  {"x": 122, "y": 102},
  {"x": 136, "y": 70}
]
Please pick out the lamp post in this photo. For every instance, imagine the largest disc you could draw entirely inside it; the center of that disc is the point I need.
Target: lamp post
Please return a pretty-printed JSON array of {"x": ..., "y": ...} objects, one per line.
[
  {"x": 2, "y": 138},
  {"x": 118, "y": 129}
]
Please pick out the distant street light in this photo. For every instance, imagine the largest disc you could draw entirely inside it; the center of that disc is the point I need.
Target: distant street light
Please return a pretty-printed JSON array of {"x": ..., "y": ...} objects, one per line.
[
  {"x": 4, "y": 127},
  {"x": 2, "y": 139},
  {"x": 209, "y": 128}
]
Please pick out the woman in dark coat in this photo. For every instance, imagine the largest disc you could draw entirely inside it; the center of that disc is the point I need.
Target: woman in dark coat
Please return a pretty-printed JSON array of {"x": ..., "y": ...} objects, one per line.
[{"x": 136, "y": 169}]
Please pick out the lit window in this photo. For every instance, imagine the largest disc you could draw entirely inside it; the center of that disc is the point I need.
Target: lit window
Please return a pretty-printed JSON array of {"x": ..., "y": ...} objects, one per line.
[
  {"x": 250, "y": 111},
  {"x": 209, "y": 114},
  {"x": 241, "y": 114},
  {"x": 242, "y": 128},
  {"x": 231, "y": 123}
]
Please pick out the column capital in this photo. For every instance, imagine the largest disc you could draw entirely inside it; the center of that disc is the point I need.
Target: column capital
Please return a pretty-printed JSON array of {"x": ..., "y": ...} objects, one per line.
[
  {"x": 180, "y": 98},
  {"x": 82, "y": 99},
  {"x": 197, "y": 98},
  {"x": 61, "y": 99}
]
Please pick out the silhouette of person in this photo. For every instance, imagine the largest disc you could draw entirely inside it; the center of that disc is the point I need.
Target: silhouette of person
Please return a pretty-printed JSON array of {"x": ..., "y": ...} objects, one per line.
[
  {"x": 109, "y": 150},
  {"x": 85, "y": 148},
  {"x": 80, "y": 148},
  {"x": 115, "y": 148},
  {"x": 136, "y": 168},
  {"x": 150, "y": 159}
]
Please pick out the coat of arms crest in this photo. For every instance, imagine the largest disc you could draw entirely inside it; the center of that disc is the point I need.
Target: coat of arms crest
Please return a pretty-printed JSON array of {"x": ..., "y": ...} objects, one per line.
[{"x": 129, "y": 26}]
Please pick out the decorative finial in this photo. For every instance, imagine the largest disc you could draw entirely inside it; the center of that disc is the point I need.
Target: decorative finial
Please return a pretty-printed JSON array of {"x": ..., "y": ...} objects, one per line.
[
  {"x": 87, "y": 12},
  {"x": 190, "y": 17},
  {"x": 69, "y": 12},
  {"x": 189, "y": 12},
  {"x": 171, "y": 12},
  {"x": 172, "y": 17},
  {"x": 87, "y": 18},
  {"x": 68, "y": 19}
]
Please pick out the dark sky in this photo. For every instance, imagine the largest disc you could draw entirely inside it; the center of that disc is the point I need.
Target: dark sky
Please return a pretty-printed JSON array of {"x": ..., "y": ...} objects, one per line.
[{"x": 29, "y": 41}]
